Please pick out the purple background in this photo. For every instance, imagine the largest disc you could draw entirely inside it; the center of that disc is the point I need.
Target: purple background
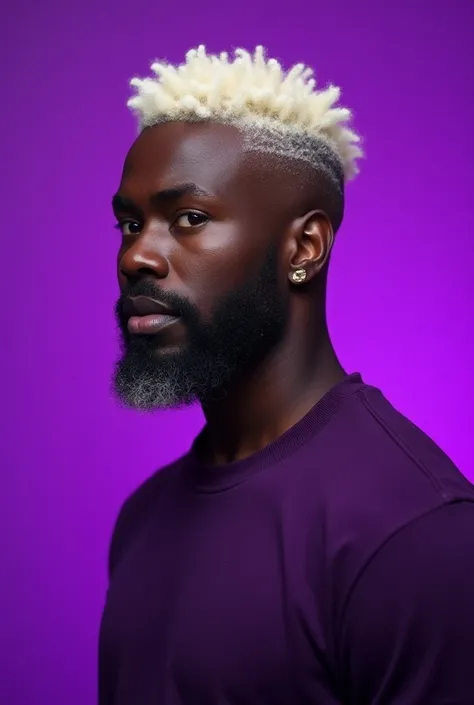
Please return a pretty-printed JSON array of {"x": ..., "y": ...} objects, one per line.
[{"x": 401, "y": 290}]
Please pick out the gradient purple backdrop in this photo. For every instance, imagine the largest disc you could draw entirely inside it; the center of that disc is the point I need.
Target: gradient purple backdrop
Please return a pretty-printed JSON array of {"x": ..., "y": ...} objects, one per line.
[{"x": 401, "y": 287}]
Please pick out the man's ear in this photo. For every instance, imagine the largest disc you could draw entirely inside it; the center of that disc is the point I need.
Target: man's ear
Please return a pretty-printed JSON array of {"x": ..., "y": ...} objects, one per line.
[{"x": 310, "y": 241}]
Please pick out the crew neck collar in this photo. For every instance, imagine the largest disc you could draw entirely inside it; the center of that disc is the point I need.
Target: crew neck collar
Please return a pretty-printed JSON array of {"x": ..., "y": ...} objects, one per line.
[{"x": 207, "y": 477}]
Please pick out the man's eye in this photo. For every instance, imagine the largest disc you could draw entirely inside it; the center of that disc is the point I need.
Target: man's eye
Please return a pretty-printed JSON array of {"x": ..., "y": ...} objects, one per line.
[
  {"x": 128, "y": 227},
  {"x": 191, "y": 219}
]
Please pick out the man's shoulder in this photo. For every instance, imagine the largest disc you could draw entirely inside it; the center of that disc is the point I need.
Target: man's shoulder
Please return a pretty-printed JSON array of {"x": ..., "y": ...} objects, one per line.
[
  {"x": 369, "y": 473},
  {"x": 138, "y": 506},
  {"x": 159, "y": 481},
  {"x": 388, "y": 457}
]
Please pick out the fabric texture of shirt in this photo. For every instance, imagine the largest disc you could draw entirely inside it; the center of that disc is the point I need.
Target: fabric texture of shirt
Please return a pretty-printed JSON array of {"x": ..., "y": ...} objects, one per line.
[{"x": 335, "y": 566}]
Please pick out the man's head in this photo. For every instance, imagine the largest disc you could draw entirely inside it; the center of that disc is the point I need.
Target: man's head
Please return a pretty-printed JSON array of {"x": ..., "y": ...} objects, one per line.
[{"x": 228, "y": 204}]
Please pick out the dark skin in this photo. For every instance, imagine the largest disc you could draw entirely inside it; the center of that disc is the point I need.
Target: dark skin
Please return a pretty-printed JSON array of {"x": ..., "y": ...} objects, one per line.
[{"x": 199, "y": 244}]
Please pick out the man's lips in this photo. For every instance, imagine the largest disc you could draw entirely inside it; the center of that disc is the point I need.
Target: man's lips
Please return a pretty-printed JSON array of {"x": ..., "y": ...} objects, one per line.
[{"x": 147, "y": 316}]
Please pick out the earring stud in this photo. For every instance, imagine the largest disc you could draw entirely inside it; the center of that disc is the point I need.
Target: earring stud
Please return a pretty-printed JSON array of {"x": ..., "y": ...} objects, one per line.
[{"x": 299, "y": 275}]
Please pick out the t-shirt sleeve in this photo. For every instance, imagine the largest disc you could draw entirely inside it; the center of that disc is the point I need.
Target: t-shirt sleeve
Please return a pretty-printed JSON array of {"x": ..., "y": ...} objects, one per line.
[{"x": 407, "y": 633}]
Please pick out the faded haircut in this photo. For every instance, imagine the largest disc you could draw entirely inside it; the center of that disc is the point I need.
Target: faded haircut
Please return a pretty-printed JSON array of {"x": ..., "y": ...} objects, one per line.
[{"x": 280, "y": 113}]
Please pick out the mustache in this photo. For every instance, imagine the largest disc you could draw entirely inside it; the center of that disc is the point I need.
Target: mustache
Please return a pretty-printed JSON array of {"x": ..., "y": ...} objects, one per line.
[{"x": 146, "y": 287}]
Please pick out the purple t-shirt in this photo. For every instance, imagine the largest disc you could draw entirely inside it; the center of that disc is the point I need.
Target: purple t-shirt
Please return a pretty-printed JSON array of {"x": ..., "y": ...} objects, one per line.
[{"x": 334, "y": 566}]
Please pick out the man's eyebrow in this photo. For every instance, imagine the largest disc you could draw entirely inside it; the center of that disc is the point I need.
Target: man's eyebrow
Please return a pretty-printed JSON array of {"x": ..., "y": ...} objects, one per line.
[
  {"x": 121, "y": 203},
  {"x": 176, "y": 192}
]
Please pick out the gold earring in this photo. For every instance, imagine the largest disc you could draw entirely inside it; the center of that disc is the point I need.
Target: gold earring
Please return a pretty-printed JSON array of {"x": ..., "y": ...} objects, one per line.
[{"x": 299, "y": 275}]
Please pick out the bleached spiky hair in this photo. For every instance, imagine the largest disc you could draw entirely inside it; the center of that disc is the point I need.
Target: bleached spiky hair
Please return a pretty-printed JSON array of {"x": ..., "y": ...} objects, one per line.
[{"x": 279, "y": 112}]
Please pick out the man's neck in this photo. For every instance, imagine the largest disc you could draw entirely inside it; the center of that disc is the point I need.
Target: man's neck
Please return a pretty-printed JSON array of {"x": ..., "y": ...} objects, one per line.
[{"x": 259, "y": 409}]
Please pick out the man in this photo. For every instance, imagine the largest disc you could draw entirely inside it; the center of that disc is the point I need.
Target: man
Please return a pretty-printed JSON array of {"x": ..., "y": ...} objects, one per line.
[{"x": 313, "y": 547}]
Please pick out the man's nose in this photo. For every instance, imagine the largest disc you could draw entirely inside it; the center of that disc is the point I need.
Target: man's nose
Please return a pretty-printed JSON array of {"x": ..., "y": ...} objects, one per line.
[{"x": 143, "y": 258}]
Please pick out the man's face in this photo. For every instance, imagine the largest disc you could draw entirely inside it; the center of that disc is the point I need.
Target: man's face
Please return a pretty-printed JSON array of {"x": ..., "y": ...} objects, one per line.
[{"x": 203, "y": 299}]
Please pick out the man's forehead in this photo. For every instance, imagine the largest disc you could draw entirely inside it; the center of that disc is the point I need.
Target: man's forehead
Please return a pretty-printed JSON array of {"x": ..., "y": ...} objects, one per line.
[{"x": 211, "y": 155}]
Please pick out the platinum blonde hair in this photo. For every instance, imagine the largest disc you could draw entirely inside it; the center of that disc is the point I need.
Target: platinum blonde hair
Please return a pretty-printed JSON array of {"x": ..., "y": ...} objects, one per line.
[{"x": 278, "y": 112}]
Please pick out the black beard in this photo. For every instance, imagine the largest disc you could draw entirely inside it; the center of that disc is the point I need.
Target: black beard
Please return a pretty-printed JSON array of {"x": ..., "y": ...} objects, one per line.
[{"x": 246, "y": 325}]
